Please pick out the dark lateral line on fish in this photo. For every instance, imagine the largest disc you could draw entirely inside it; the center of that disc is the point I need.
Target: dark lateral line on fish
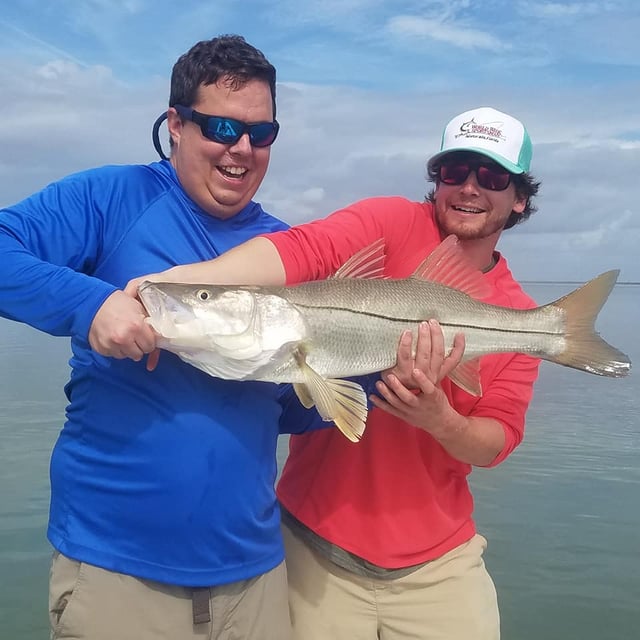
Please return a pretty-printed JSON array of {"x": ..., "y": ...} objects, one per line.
[{"x": 460, "y": 327}]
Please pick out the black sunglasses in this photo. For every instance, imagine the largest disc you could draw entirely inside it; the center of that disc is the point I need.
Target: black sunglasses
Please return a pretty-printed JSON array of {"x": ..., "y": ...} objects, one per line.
[
  {"x": 489, "y": 176},
  {"x": 229, "y": 131}
]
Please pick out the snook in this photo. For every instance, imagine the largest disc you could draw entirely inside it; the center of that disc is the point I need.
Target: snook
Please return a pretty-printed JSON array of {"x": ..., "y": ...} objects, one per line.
[{"x": 313, "y": 333}]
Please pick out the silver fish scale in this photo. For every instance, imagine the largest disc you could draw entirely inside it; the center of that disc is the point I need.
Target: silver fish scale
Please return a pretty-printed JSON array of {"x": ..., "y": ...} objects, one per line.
[
  {"x": 415, "y": 300},
  {"x": 353, "y": 326}
]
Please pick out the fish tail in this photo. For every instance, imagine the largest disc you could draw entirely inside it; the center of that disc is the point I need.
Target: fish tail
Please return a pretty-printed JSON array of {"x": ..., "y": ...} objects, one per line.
[{"x": 585, "y": 349}]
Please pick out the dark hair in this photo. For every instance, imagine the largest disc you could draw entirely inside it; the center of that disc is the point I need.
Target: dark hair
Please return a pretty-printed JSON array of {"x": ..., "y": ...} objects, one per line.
[
  {"x": 228, "y": 56},
  {"x": 526, "y": 187}
]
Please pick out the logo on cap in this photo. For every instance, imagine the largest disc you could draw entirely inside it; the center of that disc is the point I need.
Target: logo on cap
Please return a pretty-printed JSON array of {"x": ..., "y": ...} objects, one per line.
[{"x": 486, "y": 131}]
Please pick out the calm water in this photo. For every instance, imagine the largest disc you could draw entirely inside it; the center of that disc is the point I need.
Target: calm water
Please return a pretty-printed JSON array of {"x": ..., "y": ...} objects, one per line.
[{"x": 562, "y": 515}]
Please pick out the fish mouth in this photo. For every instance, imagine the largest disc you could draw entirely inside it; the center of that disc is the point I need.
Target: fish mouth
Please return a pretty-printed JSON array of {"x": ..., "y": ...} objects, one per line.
[
  {"x": 162, "y": 308},
  {"x": 150, "y": 297}
]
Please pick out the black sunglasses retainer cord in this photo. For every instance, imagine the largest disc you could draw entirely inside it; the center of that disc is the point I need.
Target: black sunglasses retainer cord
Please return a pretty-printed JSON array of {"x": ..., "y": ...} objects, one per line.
[{"x": 155, "y": 135}]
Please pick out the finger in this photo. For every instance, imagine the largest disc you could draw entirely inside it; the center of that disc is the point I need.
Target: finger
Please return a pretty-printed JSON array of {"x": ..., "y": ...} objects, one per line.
[
  {"x": 437, "y": 348},
  {"x": 426, "y": 386},
  {"x": 132, "y": 287},
  {"x": 423, "y": 347},
  {"x": 385, "y": 406},
  {"x": 146, "y": 338},
  {"x": 396, "y": 393},
  {"x": 404, "y": 358},
  {"x": 132, "y": 351},
  {"x": 153, "y": 359}
]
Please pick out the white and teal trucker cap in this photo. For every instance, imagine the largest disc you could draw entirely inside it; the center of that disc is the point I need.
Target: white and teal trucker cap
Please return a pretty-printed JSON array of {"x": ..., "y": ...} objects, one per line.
[{"x": 491, "y": 133}]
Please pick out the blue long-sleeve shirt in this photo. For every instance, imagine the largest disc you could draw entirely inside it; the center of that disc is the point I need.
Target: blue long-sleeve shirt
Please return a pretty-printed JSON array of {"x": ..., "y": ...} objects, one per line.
[{"x": 166, "y": 475}]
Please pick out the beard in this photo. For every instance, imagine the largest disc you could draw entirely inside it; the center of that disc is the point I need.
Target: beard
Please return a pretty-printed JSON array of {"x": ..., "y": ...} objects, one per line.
[{"x": 476, "y": 227}]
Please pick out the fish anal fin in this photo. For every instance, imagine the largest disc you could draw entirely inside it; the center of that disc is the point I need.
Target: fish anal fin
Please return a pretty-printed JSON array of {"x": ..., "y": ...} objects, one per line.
[
  {"x": 340, "y": 401},
  {"x": 366, "y": 263},
  {"x": 467, "y": 376},
  {"x": 448, "y": 265}
]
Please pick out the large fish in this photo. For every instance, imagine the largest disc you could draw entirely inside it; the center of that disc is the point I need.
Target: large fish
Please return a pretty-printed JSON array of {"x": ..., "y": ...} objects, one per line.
[{"x": 314, "y": 333}]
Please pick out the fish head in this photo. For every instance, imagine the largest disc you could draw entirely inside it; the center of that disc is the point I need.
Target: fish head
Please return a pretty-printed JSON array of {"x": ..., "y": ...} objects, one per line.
[{"x": 183, "y": 311}]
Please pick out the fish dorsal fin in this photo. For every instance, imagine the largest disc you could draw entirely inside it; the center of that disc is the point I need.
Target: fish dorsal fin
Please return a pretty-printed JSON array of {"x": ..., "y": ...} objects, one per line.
[
  {"x": 467, "y": 376},
  {"x": 367, "y": 263},
  {"x": 448, "y": 265},
  {"x": 340, "y": 401}
]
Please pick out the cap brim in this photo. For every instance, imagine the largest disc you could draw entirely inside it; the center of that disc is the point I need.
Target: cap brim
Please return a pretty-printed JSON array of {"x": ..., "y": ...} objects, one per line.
[{"x": 503, "y": 162}]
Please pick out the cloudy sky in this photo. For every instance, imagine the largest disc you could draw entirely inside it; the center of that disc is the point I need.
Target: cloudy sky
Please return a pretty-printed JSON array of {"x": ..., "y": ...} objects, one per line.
[{"x": 365, "y": 88}]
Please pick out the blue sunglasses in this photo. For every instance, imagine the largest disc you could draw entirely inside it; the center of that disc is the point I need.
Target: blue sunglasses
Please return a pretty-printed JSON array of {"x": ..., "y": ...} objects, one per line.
[{"x": 229, "y": 131}]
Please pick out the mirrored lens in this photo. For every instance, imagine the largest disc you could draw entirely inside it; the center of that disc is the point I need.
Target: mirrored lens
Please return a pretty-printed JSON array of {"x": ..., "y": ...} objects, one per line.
[
  {"x": 263, "y": 134},
  {"x": 229, "y": 131},
  {"x": 224, "y": 130},
  {"x": 492, "y": 178},
  {"x": 489, "y": 177}
]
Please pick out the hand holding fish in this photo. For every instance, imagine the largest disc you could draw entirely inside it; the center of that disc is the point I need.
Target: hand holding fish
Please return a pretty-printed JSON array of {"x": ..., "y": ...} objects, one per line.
[
  {"x": 422, "y": 373},
  {"x": 473, "y": 440},
  {"x": 426, "y": 409},
  {"x": 429, "y": 355},
  {"x": 119, "y": 329}
]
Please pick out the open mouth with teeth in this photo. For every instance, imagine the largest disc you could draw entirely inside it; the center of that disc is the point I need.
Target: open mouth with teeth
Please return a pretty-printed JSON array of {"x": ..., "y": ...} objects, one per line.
[
  {"x": 232, "y": 172},
  {"x": 471, "y": 210}
]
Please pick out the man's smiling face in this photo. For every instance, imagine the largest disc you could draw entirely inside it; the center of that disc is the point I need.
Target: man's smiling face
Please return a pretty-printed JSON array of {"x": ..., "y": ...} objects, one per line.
[
  {"x": 222, "y": 178},
  {"x": 472, "y": 212}
]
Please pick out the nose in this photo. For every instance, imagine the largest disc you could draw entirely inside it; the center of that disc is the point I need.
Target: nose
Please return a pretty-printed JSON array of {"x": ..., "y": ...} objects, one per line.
[
  {"x": 243, "y": 146},
  {"x": 470, "y": 185}
]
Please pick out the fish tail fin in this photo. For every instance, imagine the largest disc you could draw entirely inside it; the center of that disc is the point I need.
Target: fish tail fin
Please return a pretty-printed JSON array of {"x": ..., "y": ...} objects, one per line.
[
  {"x": 585, "y": 349},
  {"x": 340, "y": 401}
]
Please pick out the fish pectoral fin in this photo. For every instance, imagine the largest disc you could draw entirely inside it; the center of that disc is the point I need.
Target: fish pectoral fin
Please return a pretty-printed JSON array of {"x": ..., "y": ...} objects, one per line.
[
  {"x": 340, "y": 401},
  {"x": 351, "y": 402},
  {"x": 303, "y": 395},
  {"x": 467, "y": 376}
]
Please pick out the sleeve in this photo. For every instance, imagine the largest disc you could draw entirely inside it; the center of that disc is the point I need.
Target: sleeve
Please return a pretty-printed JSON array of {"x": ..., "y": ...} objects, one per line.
[
  {"x": 49, "y": 245},
  {"x": 295, "y": 418},
  {"x": 316, "y": 250},
  {"x": 506, "y": 399}
]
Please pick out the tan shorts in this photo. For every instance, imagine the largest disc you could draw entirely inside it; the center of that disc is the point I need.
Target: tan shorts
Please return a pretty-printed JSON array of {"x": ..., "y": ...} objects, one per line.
[
  {"x": 89, "y": 603},
  {"x": 452, "y": 597}
]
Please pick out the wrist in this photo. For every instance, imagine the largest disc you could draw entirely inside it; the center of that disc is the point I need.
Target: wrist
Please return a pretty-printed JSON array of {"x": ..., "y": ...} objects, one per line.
[{"x": 450, "y": 429}]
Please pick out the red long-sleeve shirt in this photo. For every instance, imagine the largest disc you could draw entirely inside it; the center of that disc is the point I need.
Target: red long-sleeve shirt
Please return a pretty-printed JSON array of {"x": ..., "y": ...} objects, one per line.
[{"x": 396, "y": 498}]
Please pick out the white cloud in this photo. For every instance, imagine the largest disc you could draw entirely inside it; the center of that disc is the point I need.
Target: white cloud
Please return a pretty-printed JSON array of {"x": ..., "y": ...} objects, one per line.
[
  {"x": 442, "y": 31},
  {"x": 558, "y": 10}
]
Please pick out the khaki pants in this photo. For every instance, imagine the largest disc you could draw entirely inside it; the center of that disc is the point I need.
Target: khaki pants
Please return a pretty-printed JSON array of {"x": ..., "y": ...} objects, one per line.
[
  {"x": 89, "y": 603},
  {"x": 451, "y": 598}
]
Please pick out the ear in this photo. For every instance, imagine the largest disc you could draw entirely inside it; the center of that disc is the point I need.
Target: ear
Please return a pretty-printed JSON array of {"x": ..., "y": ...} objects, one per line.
[
  {"x": 519, "y": 204},
  {"x": 174, "y": 125}
]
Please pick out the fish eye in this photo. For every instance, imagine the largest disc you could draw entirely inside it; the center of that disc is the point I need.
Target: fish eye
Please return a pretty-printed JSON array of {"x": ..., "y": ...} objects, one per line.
[{"x": 203, "y": 294}]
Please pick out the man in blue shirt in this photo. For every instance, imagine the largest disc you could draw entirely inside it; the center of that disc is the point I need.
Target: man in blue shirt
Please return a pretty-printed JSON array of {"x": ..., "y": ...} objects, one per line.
[{"x": 163, "y": 514}]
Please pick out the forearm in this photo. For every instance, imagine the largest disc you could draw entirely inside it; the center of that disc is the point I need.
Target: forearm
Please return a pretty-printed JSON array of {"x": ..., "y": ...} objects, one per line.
[
  {"x": 49, "y": 297},
  {"x": 476, "y": 441},
  {"x": 256, "y": 261}
]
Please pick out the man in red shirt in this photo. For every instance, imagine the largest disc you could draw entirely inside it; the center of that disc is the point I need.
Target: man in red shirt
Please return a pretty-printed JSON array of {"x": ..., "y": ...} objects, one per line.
[{"x": 380, "y": 539}]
